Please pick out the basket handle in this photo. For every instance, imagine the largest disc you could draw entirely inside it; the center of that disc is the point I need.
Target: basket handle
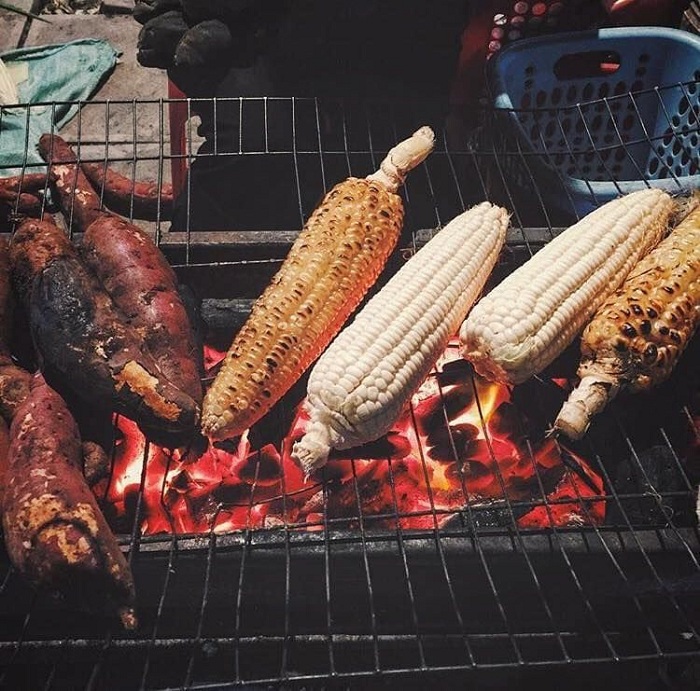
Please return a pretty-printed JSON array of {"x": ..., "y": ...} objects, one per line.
[{"x": 587, "y": 64}]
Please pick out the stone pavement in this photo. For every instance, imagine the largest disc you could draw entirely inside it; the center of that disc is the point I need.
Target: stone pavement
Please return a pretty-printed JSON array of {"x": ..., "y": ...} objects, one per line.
[{"x": 126, "y": 119}]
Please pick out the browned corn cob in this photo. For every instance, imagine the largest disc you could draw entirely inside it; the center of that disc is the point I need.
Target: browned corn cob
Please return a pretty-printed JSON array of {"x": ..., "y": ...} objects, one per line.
[
  {"x": 637, "y": 336},
  {"x": 336, "y": 258}
]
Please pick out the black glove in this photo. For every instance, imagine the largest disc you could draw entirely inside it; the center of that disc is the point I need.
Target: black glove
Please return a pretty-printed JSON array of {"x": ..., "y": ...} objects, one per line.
[{"x": 198, "y": 41}]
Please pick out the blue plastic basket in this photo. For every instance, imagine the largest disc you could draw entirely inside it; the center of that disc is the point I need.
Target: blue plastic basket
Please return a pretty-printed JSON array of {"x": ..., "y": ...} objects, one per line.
[{"x": 596, "y": 114}]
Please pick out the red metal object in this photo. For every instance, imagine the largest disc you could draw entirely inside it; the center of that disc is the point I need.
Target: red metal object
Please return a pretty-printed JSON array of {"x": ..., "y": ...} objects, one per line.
[{"x": 177, "y": 117}]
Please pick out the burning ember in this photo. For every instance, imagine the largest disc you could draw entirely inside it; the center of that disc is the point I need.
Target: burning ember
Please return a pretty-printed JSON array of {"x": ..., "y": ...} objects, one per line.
[{"x": 459, "y": 445}]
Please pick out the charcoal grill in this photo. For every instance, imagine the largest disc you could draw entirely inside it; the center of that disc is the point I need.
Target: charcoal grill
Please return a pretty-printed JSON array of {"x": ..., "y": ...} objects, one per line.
[{"x": 472, "y": 597}]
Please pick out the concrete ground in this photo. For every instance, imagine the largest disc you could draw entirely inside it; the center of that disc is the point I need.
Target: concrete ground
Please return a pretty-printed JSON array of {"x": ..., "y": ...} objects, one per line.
[{"x": 126, "y": 119}]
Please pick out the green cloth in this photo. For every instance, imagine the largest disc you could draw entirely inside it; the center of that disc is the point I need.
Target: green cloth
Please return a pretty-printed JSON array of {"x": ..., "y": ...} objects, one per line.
[{"x": 57, "y": 76}]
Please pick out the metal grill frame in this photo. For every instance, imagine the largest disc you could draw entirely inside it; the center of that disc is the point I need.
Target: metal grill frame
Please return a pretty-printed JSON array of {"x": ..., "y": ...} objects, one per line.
[{"x": 590, "y": 602}]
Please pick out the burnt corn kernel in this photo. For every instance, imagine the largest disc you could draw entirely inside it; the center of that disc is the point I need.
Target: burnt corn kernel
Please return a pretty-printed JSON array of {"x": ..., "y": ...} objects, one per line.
[
  {"x": 628, "y": 330},
  {"x": 650, "y": 353},
  {"x": 662, "y": 294}
]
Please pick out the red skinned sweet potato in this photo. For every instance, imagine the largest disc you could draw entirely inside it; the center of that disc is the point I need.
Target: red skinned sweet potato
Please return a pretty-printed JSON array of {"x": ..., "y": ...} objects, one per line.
[
  {"x": 55, "y": 534},
  {"x": 142, "y": 284},
  {"x": 14, "y": 380},
  {"x": 79, "y": 201},
  {"x": 6, "y": 297},
  {"x": 24, "y": 204},
  {"x": 96, "y": 467},
  {"x": 29, "y": 182},
  {"x": 134, "y": 272},
  {"x": 121, "y": 194},
  {"x": 19, "y": 194},
  {"x": 14, "y": 386},
  {"x": 82, "y": 188},
  {"x": 84, "y": 342},
  {"x": 4, "y": 457}
]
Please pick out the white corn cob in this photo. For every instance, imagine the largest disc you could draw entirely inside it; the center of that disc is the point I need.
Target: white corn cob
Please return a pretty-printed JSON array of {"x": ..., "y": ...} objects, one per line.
[
  {"x": 526, "y": 321},
  {"x": 360, "y": 385}
]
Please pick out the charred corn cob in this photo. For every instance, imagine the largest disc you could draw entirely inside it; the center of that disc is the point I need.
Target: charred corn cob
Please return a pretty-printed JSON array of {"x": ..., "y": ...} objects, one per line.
[
  {"x": 526, "y": 321},
  {"x": 362, "y": 382},
  {"x": 336, "y": 258},
  {"x": 637, "y": 336}
]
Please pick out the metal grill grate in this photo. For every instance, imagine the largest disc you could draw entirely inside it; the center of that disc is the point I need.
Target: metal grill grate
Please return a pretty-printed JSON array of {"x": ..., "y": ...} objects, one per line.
[{"x": 474, "y": 594}]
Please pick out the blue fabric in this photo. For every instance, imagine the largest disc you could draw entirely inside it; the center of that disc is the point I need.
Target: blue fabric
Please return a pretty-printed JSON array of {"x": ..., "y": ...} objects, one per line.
[{"x": 58, "y": 77}]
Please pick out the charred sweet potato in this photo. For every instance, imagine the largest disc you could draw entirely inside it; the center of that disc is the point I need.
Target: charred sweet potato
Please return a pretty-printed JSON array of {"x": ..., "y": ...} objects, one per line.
[
  {"x": 144, "y": 287},
  {"x": 79, "y": 201},
  {"x": 83, "y": 341},
  {"x": 55, "y": 534},
  {"x": 140, "y": 199},
  {"x": 133, "y": 271}
]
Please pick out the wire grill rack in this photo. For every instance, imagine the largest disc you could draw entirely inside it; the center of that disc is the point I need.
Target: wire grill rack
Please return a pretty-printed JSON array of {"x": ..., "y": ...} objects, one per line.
[{"x": 474, "y": 597}]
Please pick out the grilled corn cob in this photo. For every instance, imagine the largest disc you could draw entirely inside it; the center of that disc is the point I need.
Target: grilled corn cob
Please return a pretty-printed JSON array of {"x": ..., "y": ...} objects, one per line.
[
  {"x": 526, "y": 321},
  {"x": 637, "y": 336},
  {"x": 336, "y": 258},
  {"x": 360, "y": 385}
]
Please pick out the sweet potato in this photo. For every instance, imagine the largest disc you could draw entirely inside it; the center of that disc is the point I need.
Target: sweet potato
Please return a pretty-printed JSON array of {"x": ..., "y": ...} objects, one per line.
[
  {"x": 121, "y": 194},
  {"x": 29, "y": 182},
  {"x": 14, "y": 387},
  {"x": 96, "y": 465},
  {"x": 6, "y": 297},
  {"x": 144, "y": 287},
  {"x": 134, "y": 273},
  {"x": 83, "y": 341},
  {"x": 55, "y": 534},
  {"x": 14, "y": 380},
  {"x": 20, "y": 194},
  {"x": 4, "y": 449},
  {"x": 82, "y": 188},
  {"x": 79, "y": 201},
  {"x": 24, "y": 204}
]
